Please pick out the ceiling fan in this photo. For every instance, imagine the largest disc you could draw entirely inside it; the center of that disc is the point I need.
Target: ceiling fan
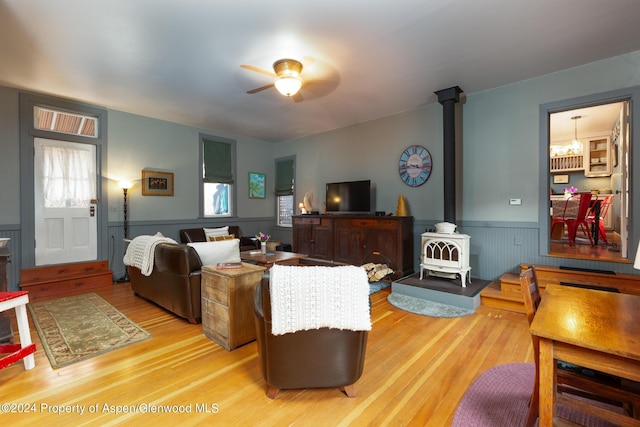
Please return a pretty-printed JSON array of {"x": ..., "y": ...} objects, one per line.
[{"x": 287, "y": 73}]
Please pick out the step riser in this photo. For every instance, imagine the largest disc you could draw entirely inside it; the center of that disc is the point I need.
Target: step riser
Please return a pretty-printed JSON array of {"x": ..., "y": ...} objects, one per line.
[
  {"x": 509, "y": 296},
  {"x": 63, "y": 279}
]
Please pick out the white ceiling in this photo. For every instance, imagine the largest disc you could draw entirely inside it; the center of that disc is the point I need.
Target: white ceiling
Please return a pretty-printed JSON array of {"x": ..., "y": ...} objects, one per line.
[
  {"x": 180, "y": 60},
  {"x": 592, "y": 121}
]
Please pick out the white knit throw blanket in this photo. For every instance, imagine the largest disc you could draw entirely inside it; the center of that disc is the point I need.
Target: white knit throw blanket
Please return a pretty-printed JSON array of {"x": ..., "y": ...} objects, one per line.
[
  {"x": 141, "y": 250},
  {"x": 313, "y": 297}
]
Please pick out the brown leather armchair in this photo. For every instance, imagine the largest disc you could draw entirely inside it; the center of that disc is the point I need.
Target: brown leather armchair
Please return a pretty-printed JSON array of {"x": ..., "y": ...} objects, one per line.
[{"x": 316, "y": 358}]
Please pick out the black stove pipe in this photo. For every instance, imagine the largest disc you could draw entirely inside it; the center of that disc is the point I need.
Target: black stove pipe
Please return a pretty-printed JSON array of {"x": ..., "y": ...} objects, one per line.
[{"x": 448, "y": 98}]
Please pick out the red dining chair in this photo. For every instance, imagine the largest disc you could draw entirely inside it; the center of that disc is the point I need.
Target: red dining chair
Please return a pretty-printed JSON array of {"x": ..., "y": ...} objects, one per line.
[
  {"x": 581, "y": 218},
  {"x": 560, "y": 219},
  {"x": 605, "y": 204}
]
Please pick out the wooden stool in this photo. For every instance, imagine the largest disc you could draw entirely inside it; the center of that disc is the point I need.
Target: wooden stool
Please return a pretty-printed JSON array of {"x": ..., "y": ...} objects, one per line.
[{"x": 25, "y": 349}]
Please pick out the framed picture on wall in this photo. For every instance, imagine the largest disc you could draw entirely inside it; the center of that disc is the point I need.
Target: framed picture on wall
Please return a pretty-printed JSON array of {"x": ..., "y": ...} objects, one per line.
[
  {"x": 257, "y": 185},
  {"x": 156, "y": 183},
  {"x": 560, "y": 179}
]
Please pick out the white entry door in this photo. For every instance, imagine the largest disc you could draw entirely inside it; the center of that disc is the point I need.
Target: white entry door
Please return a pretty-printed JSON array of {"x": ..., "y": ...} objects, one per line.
[{"x": 64, "y": 197}]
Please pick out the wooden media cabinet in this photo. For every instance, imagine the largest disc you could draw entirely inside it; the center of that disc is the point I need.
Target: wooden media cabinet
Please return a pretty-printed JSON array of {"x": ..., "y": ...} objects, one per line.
[{"x": 354, "y": 239}]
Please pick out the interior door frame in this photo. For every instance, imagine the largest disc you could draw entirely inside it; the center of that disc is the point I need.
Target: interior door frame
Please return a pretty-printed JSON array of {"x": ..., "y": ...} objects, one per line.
[
  {"x": 27, "y": 134},
  {"x": 632, "y": 95}
]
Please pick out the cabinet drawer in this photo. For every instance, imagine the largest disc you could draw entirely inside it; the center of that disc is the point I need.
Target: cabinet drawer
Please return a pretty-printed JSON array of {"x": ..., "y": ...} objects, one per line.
[
  {"x": 215, "y": 289},
  {"x": 387, "y": 223},
  {"x": 306, "y": 221},
  {"x": 215, "y": 315},
  {"x": 363, "y": 222}
]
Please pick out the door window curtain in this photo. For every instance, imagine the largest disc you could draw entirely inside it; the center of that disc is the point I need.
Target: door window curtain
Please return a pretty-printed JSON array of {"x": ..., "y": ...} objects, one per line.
[
  {"x": 69, "y": 178},
  {"x": 284, "y": 178},
  {"x": 217, "y": 162}
]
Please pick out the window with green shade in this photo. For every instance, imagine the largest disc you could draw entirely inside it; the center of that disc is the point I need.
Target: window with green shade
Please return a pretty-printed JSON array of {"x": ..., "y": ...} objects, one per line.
[{"x": 218, "y": 166}]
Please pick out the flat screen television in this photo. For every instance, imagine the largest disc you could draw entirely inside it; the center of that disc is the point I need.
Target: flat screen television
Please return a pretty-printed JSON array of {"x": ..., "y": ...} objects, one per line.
[{"x": 352, "y": 197}]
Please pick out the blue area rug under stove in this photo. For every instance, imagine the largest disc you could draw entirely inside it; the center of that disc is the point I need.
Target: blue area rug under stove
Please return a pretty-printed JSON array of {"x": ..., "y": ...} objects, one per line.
[{"x": 425, "y": 307}]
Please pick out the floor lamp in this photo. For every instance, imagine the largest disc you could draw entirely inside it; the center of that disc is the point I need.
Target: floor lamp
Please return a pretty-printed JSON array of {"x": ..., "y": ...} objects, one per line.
[{"x": 125, "y": 185}]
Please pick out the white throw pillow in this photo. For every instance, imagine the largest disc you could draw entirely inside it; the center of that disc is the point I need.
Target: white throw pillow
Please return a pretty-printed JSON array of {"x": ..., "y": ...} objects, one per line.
[
  {"x": 221, "y": 231},
  {"x": 215, "y": 252}
]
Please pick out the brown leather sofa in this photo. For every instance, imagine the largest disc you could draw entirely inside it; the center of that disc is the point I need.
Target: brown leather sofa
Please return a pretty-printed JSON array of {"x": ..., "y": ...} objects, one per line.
[
  {"x": 306, "y": 359},
  {"x": 174, "y": 282},
  {"x": 191, "y": 235}
]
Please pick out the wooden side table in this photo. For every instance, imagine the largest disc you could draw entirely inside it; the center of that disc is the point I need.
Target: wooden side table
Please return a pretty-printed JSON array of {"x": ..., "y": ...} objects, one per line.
[{"x": 227, "y": 304}]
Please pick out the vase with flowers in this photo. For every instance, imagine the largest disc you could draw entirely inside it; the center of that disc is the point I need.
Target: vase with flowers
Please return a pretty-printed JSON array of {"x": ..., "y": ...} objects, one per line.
[
  {"x": 263, "y": 239},
  {"x": 569, "y": 191}
]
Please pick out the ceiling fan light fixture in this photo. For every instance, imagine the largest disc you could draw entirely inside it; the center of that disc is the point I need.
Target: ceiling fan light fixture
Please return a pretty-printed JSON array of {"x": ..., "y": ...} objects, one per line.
[
  {"x": 288, "y": 85},
  {"x": 288, "y": 71}
]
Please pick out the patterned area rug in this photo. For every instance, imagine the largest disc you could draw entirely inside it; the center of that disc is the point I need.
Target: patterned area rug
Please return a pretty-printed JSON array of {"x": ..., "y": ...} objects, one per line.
[
  {"x": 79, "y": 327},
  {"x": 425, "y": 307},
  {"x": 500, "y": 397}
]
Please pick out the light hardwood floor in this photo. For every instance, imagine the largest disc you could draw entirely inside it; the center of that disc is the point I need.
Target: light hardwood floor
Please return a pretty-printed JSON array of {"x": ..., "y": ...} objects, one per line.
[{"x": 417, "y": 369}]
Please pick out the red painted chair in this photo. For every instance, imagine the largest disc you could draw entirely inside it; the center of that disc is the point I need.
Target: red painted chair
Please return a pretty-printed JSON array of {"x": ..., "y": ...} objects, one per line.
[
  {"x": 559, "y": 220},
  {"x": 581, "y": 219},
  {"x": 25, "y": 349}
]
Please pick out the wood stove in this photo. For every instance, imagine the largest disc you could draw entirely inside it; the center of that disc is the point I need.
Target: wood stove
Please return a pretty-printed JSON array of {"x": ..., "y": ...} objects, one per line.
[{"x": 446, "y": 255}]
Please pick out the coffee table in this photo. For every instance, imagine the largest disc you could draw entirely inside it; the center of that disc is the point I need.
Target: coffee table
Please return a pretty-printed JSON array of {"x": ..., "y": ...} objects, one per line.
[{"x": 267, "y": 260}]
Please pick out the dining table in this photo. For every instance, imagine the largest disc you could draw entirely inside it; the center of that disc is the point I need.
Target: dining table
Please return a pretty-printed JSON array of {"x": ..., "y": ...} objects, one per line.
[{"x": 590, "y": 328}]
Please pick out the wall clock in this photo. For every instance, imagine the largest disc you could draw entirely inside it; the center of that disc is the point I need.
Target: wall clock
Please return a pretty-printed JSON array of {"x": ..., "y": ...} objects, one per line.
[{"x": 414, "y": 165}]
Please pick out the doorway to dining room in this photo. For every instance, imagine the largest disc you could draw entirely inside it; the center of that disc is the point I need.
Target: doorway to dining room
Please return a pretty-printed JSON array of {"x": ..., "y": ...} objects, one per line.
[{"x": 588, "y": 155}]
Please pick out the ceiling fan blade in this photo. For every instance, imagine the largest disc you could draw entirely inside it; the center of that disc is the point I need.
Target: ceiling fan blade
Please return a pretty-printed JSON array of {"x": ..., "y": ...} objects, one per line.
[
  {"x": 261, "y": 88},
  {"x": 307, "y": 61},
  {"x": 258, "y": 70},
  {"x": 298, "y": 97}
]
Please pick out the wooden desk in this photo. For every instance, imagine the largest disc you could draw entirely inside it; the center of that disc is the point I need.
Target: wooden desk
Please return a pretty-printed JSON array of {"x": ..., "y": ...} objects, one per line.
[
  {"x": 267, "y": 260},
  {"x": 594, "y": 329}
]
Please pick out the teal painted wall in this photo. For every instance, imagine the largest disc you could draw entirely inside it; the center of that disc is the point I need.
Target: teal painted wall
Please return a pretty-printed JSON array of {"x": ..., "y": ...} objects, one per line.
[
  {"x": 499, "y": 148},
  {"x": 137, "y": 143}
]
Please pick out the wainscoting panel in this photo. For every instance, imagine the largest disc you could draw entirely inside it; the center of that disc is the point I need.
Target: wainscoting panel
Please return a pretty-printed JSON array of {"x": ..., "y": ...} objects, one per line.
[
  {"x": 496, "y": 248},
  {"x": 500, "y": 247}
]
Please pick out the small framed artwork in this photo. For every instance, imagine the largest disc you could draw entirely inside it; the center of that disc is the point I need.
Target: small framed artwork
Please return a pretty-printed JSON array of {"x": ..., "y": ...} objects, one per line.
[
  {"x": 156, "y": 183},
  {"x": 257, "y": 185},
  {"x": 560, "y": 179}
]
